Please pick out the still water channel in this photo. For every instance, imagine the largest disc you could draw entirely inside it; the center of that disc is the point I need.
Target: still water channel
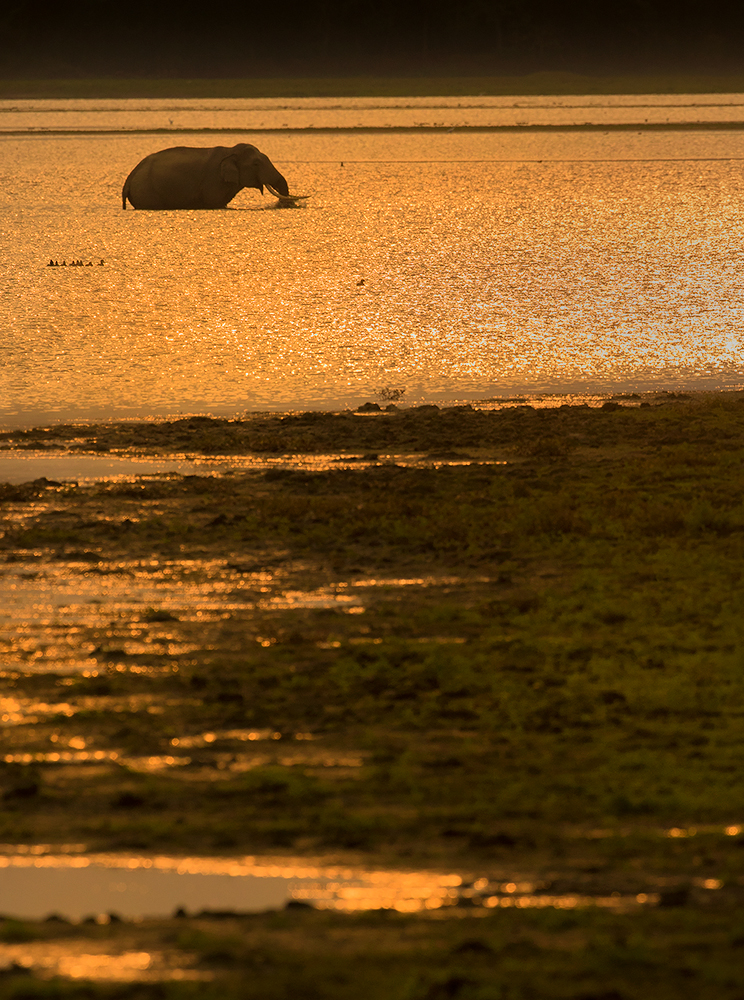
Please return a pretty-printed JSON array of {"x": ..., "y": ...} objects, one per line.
[
  {"x": 107, "y": 888},
  {"x": 454, "y": 249},
  {"x": 35, "y": 884}
]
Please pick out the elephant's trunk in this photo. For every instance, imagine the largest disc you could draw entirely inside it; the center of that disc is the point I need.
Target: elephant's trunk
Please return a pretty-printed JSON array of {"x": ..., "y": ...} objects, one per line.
[{"x": 276, "y": 184}]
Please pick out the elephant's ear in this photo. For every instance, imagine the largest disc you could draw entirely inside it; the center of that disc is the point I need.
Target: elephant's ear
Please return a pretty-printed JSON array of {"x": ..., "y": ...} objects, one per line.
[{"x": 229, "y": 170}]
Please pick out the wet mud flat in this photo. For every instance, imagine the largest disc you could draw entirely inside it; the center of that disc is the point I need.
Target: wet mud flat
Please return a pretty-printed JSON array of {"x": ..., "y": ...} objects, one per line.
[{"x": 520, "y": 657}]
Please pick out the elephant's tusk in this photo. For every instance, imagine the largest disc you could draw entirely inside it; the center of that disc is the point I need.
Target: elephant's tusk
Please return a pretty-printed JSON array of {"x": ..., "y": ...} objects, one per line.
[{"x": 286, "y": 197}]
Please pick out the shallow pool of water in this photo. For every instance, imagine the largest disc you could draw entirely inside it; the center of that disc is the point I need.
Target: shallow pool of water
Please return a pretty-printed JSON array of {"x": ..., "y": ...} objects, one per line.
[
  {"x": 18, "y": 466},
  {"x": 24, "y": 467},
  {"x": 35, "y": 883}
]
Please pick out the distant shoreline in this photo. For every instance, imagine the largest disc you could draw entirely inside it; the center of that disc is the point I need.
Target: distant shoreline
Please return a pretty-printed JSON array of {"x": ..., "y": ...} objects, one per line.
[{"x": 369, "y": 86}]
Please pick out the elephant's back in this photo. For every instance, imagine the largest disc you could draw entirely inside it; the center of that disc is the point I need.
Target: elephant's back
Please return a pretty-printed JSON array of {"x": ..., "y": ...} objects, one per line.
[
  {"x": 138, "y": 186},
  {"x": 171, "y": 178}
]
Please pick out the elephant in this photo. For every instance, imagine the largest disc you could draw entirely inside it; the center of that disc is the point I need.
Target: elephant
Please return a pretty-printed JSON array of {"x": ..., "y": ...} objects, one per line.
[{"x": 200, "y": 177}]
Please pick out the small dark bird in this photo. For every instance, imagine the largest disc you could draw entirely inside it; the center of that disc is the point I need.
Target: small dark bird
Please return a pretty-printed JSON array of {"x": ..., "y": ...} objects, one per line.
[{"x": 361, "y": 281}]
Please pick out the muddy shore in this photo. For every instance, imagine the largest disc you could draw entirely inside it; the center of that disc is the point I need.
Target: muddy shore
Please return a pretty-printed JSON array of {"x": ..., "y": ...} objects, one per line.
[{"x": 502, "y": 641}]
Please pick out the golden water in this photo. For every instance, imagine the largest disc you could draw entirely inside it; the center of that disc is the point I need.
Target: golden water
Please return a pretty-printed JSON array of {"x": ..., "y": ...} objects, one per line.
[
  {"x": 36, "y": 881},
  {"x": 437, "y": 254}
]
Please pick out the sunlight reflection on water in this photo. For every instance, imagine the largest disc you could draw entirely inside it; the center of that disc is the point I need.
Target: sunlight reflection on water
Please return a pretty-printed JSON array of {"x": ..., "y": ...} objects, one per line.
[
  {"x": 497, "y": 263},
  {"x": 92, "y": 960},
  {"x": 77, "y": 885},
  {"x": 18, "y": 466},
  {"x": 48, "y": 607}
]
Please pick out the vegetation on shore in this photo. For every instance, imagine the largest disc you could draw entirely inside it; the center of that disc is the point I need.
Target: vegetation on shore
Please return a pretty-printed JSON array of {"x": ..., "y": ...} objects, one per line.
[
  {"x": 665, "y": 953},
  {"x": 543, "y": 83},
  {"x": 561, "y": 693},
  {"x": 573, "y": 663}
]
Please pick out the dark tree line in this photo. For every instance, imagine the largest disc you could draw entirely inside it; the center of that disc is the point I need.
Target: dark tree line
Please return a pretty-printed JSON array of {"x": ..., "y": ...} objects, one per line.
[{"x": 83, "y": 37}]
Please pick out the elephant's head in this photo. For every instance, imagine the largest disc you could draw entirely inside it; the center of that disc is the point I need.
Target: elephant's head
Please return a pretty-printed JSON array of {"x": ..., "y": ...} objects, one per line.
[{"x": 249, "y": 167}]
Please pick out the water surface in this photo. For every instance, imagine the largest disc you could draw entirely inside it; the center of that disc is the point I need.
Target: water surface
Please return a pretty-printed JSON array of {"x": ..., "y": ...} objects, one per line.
[
  {"x": 35, "y": 883},
  {"x": 280, "y": 113},
  {"x": 438, "y": 254}
]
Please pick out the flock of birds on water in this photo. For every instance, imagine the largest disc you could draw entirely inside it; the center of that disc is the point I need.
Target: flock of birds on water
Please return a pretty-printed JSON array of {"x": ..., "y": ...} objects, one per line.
[{"x": 74, "y": 263}]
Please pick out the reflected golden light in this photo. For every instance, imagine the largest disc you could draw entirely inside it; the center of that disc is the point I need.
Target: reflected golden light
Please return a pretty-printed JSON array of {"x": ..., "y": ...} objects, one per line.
[
  {"x": 154, "y": 762},
  {"x": 104, "y": 966},
  {"x": 510, "y": 270},
  {"x": 244, "y": 735},
  {"x": 91, "y": 960},
  {"x": 44, "y": 616},
  {"x": 343, "y": 887},
  {"x": 63, "y": 756}
]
